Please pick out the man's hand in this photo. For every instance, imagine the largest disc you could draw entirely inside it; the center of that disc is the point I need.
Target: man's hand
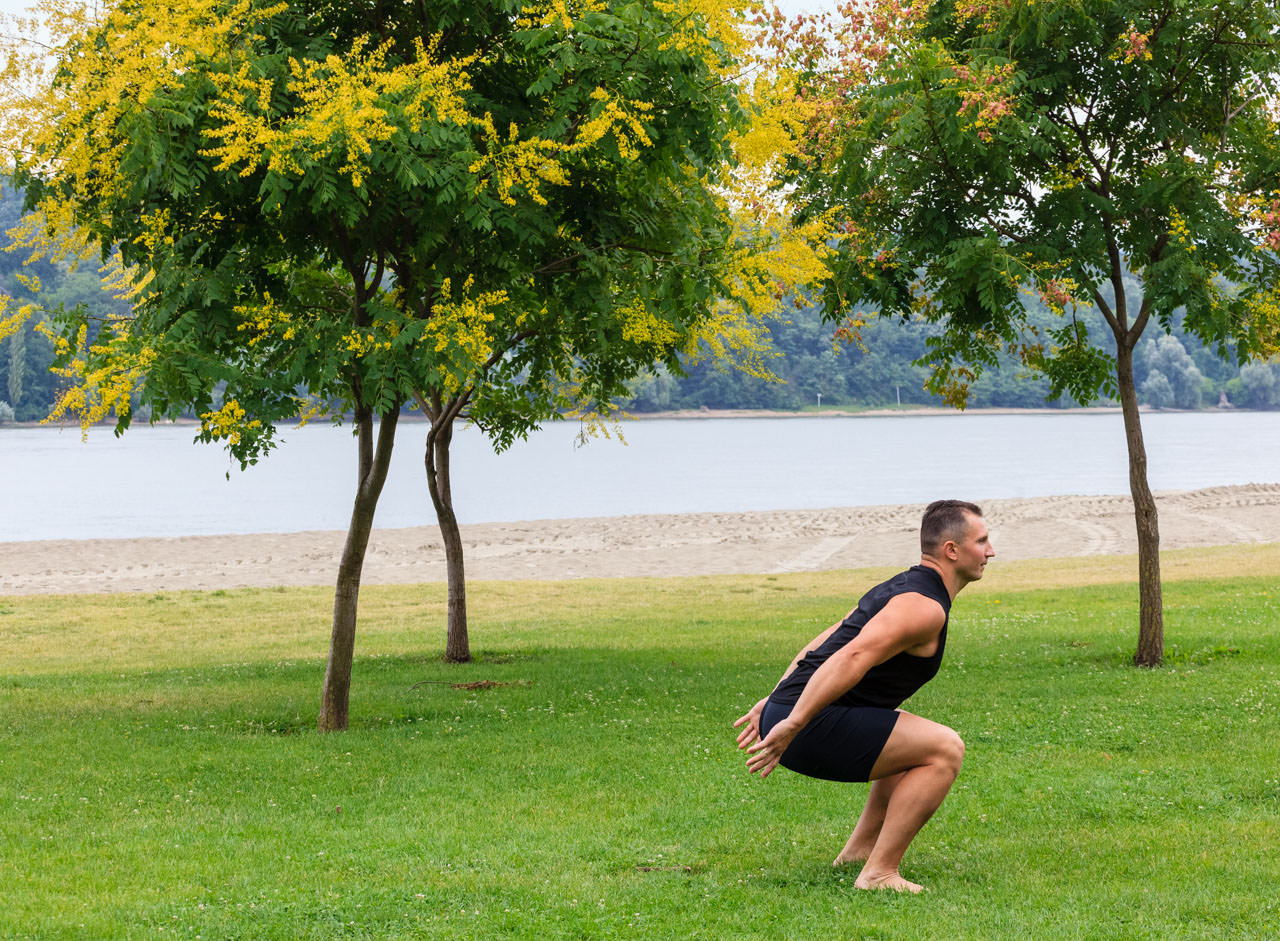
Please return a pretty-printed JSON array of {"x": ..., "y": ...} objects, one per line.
[
  {"x": 765, "y": 754},
  {"x": 752, "y": 722}
]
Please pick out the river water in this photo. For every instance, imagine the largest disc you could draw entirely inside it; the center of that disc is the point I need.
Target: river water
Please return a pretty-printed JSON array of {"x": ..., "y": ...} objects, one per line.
[{"x": 154, "y": 481}]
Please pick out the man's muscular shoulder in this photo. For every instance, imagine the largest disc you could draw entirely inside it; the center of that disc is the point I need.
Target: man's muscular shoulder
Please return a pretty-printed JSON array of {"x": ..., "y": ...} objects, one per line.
[{"x": 908, "y": 622}]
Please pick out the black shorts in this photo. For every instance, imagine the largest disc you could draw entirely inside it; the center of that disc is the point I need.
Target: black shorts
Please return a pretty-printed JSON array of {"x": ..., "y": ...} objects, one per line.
[{"x": 842, "y": 743}]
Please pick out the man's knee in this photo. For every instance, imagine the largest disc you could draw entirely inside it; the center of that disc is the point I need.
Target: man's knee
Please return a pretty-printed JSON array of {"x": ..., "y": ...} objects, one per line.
[
  {"x": 950, "y": 750},
  {"x": 918, "y": 742}
]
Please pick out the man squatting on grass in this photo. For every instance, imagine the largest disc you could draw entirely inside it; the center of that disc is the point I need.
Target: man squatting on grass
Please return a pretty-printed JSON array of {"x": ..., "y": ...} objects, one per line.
[{"x": 834, "y": 714}]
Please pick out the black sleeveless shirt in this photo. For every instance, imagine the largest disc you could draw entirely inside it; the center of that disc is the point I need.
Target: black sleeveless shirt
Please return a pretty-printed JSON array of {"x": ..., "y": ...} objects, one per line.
[{"x": 886, "y": 685}]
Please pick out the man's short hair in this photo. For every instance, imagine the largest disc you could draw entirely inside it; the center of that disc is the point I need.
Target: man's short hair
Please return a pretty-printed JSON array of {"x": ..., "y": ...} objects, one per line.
[{"x": 945, "y": 520}]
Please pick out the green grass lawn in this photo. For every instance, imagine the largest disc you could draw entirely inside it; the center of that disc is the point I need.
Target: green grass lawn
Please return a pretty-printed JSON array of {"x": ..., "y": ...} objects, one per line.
[{"x": 160, "y": 776}]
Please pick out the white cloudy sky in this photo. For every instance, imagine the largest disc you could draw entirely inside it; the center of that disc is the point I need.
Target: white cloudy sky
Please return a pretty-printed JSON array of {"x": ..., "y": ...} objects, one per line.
[{"x": 788, "y": 6}]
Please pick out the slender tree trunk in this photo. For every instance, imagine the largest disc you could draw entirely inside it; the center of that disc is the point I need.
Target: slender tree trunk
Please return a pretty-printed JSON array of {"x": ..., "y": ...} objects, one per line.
[
  {"x": 457, "y": 648},
  {"x": 17, "y": 363},
  {"x": 1150, "y": 652},
  {"x": 374, "y": 461}
]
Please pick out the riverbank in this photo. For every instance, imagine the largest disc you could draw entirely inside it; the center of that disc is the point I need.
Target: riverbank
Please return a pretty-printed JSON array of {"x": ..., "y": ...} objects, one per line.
[
  {"x": 646, "y": 545},
  {"x": 905, "y": 411}
]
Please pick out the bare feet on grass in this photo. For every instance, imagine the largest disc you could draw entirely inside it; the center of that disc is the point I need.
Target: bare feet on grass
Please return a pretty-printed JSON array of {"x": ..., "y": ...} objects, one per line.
[
  {"x": 888, "y": 880},
  {"x": 852, "y": 855}
]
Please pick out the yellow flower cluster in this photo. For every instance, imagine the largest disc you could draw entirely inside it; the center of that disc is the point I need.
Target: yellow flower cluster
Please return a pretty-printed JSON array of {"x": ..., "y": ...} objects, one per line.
[
  {"x": 13, "y": 316},
  {"x": 1264, "y": 312},
  {"x": 701, "y": 24},
  {"x": 29, "y": 281},
  {"x": 526, "y": 164},
  {"x": 772, "y": 258},
  {"x": 96, "y": 393},
  {"x": 618, "y": 116},
  {"x": 641, "y": 326},
  {"x": 512, "y": 163},
  {"x": 723, "y": 22},
  {"x": 462, "y": 326},
  {"x": 51, "y": 233},
  {"x": 1180, "y": 231},
  {"x": 779, "y": 119},
  {"x": 344, "y": 106},
  {"x": 361, "y": 344},
  {"x": 155, "y": 226},
  {"x": 1132, "y": 46},
  {"x": 1068, "y": 177},
  {"x": 555, "y": 14},
  {"x": 227, "y": 423},
  {"x": 264, "y": 320},
  {"x": 308, "y": 409}
]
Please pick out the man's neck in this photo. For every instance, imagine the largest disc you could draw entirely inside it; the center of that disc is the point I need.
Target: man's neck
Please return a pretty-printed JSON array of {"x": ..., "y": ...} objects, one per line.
[{"x": 950, "y": 577}]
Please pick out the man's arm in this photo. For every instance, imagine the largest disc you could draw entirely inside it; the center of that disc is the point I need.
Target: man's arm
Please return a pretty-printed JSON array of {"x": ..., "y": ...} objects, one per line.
[
  {"x": 812, "y": 645},
  {"x": 751, "y": 731},
  {"x": 908, "y": 620}
]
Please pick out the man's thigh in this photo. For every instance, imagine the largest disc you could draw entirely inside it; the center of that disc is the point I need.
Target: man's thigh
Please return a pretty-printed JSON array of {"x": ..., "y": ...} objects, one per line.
[{"x": 917, "y": 741}]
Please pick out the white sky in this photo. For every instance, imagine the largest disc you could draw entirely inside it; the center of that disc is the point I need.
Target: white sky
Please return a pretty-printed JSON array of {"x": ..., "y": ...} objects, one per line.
[{"x": 791, "y": 7}]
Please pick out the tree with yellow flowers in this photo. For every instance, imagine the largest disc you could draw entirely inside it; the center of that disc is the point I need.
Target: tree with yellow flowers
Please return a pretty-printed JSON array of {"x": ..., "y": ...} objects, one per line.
[{"x": 494, "y": 210}]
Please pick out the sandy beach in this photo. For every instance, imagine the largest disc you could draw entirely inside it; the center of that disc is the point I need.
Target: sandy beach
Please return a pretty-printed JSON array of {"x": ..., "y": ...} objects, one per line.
[{"x": 687, "y": 544}]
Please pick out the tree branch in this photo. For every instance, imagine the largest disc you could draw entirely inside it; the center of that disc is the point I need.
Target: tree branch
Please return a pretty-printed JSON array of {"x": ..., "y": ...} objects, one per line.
[
  {"x": 1107, "y": 312},
  {"x": 1229, "y": 114},
  {"x": 1001, "y": 229},
  {"x": 1086, "y": 143}
]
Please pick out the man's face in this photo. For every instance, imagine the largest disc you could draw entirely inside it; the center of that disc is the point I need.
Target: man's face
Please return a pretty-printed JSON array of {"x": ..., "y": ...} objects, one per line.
[{"x": 973, "y": 551}]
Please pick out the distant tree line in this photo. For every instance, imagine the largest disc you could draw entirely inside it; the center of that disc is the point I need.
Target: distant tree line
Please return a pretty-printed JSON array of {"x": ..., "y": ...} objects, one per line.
[
  {"x": 27, "y": 387},
  {"x": 1173, "y": 370},
  {"x": 886, "y": 370}
]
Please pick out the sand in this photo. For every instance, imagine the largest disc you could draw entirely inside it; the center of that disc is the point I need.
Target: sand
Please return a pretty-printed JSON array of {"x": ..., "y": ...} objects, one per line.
[{"x": 687, "y": 544}]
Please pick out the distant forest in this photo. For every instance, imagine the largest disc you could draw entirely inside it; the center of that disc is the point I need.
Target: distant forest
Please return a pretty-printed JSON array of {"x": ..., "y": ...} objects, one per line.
[
  {"x": 1173, "y": 371},
  {"x": 27, "y": 388}
]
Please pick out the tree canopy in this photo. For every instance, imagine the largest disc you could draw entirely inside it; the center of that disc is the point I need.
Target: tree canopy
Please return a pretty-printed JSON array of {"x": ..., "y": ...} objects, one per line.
[
  {"x": 497, "y": 210},
  {"x": 469, "y": 175},
  {"x": 984, "y": 150}
]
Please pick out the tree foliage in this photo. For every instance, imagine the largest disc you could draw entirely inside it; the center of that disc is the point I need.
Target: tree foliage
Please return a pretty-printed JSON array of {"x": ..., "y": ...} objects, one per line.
[
  {"x": 480, "y": 162},
  {"x": 497, "y": 210},
  {"x": 984, "y": 150},
  {"x": 999, "y": 149}
]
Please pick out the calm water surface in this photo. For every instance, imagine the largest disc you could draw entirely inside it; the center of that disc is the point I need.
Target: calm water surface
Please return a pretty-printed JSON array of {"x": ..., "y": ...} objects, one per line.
[{"x": 156, "y": 482}]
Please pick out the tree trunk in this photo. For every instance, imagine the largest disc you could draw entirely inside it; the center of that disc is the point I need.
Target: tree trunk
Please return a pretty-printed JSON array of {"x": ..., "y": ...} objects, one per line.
[
  {"x": 17, "y": 363},
  {"x": 374, "y": 462},
  {"x": 457, "y": 648},
  {"x": 1150, "y": 652}
]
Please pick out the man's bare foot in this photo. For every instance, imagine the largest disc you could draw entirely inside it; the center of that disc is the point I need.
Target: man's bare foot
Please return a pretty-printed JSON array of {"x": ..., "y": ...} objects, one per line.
[
  {"x": 888, "y": 880},
  {"x": 848, "y": 856}
]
